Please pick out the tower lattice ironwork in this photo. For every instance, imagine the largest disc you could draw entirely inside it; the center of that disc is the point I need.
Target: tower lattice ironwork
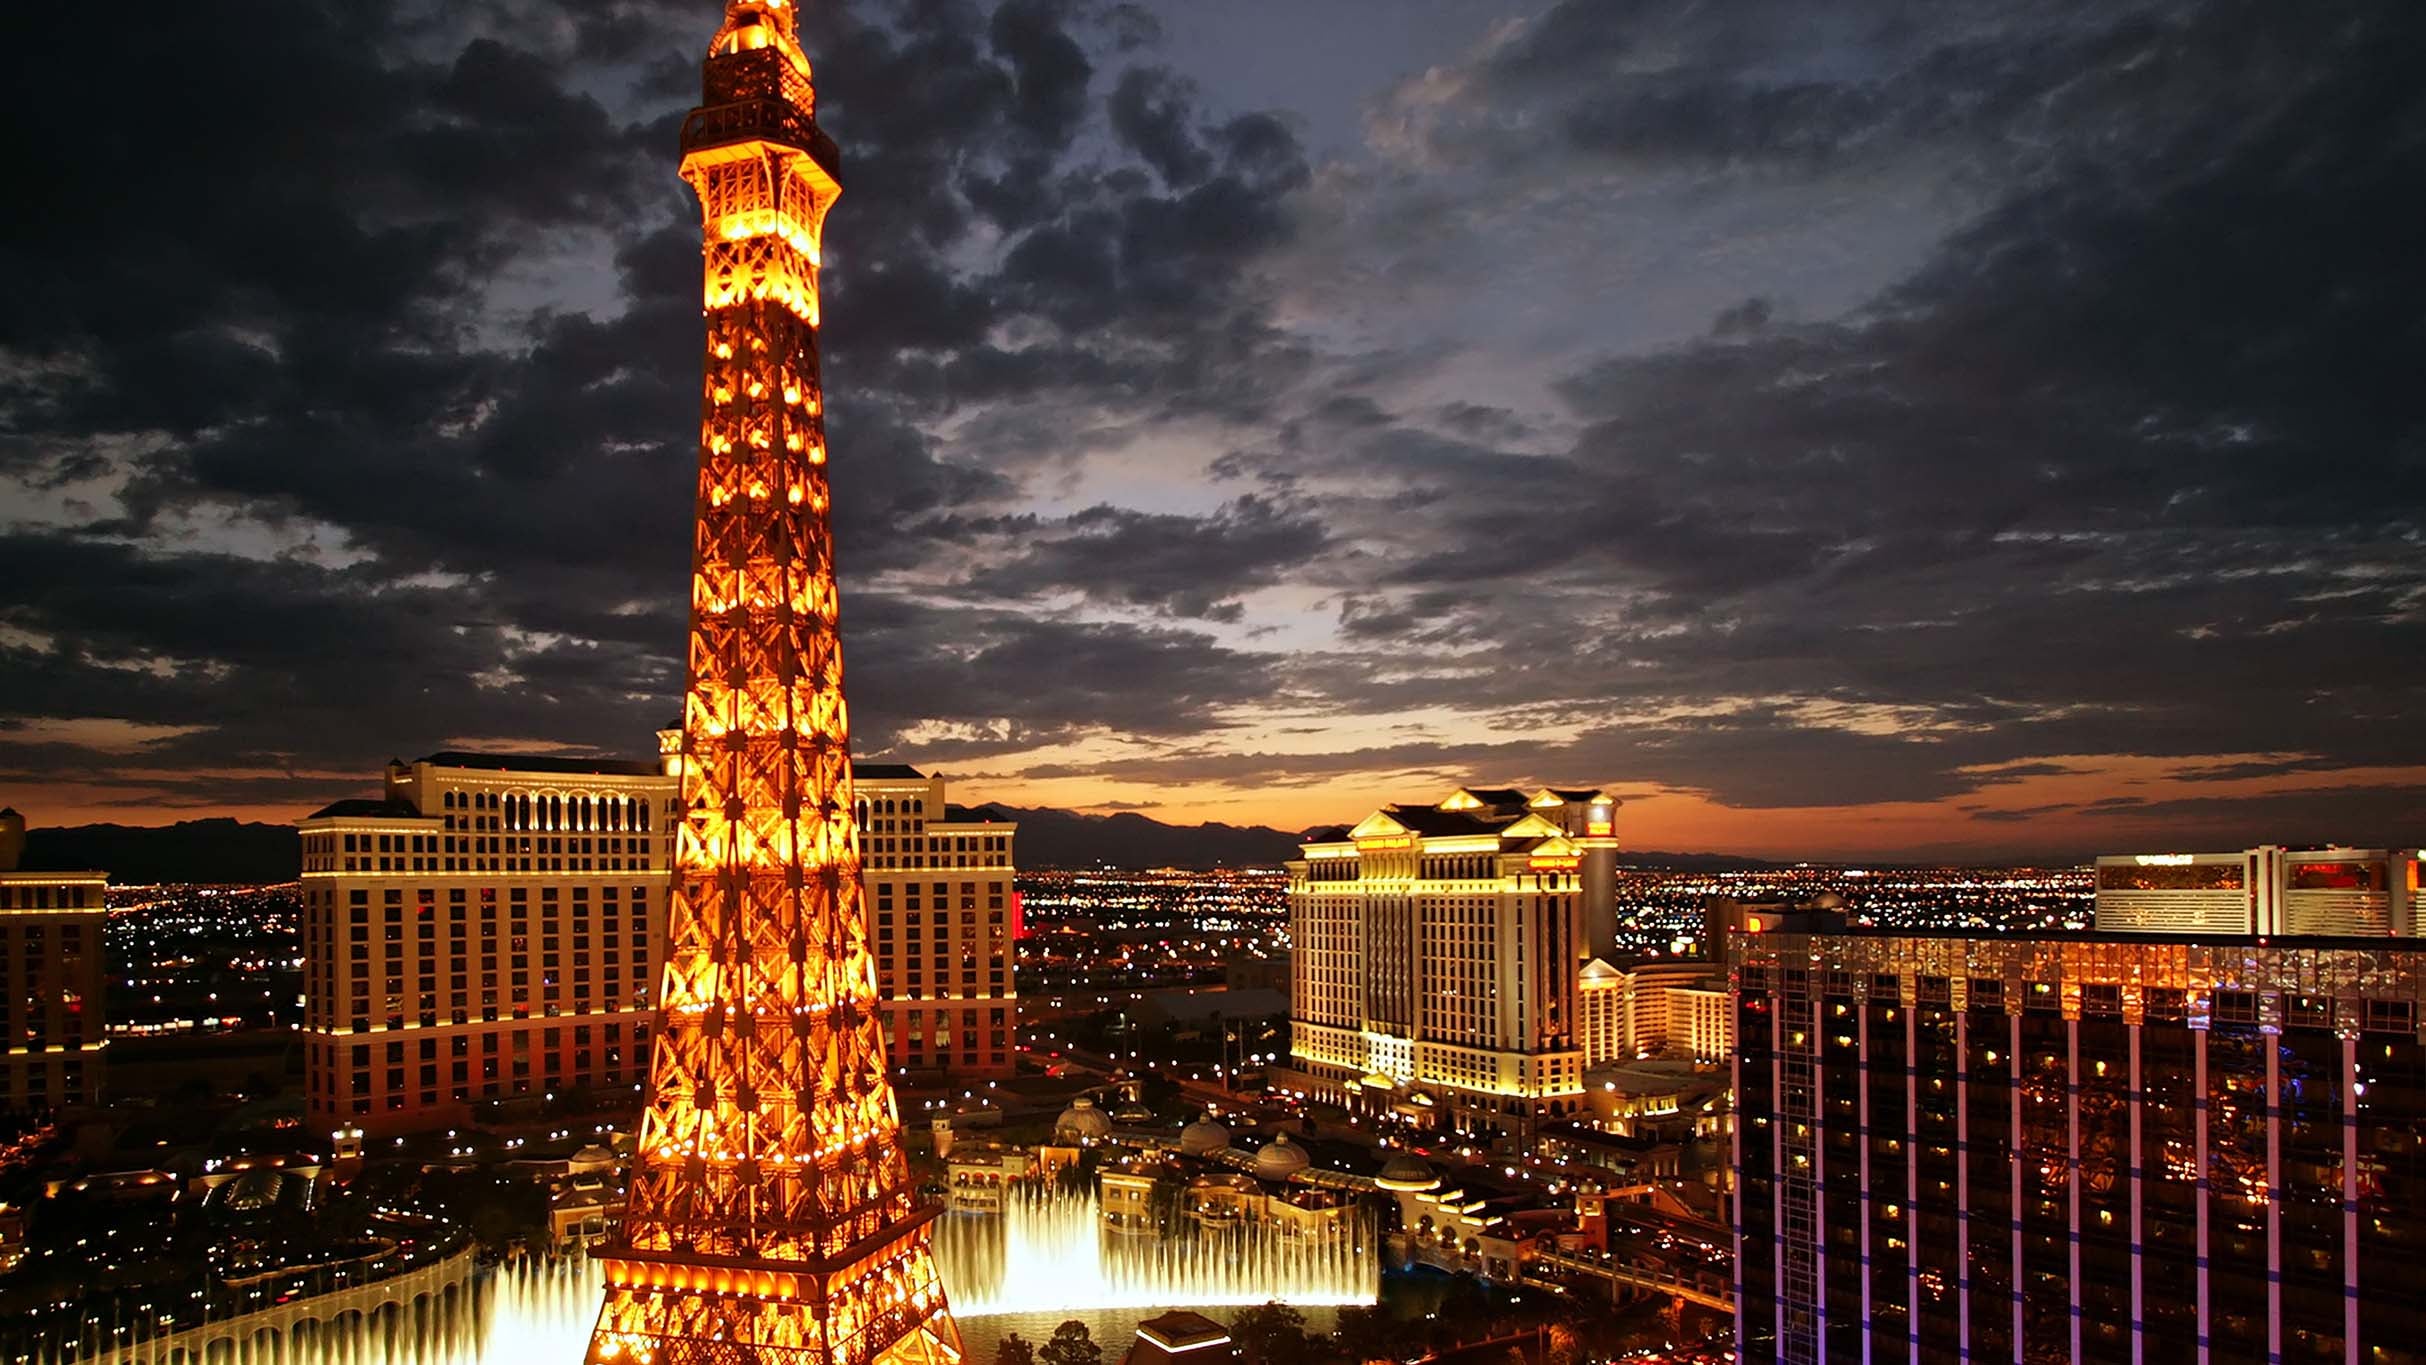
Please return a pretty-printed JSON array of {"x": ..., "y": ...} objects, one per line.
[{"x": 772, "y": 1219}]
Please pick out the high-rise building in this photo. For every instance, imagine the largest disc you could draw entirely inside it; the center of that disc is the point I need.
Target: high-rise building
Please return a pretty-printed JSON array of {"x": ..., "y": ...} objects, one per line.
[
  {"x": 1435, "y": 952},
  {"x": 943, "y": 916},
  {"x": 485, "y": 929},
  {"x": 54, "y": 1030},
  {"x": 2269, "y": 889},
  {"x": 2079, "y": 1147},
  {"x": 772, "y": 1215},
  {"x": 1654, "y": 1008}
]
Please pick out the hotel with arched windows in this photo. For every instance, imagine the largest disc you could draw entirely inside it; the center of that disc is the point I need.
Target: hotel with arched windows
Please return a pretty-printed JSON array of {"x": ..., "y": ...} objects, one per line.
[
  {"x": 483, "y": 930},
  {"x": 488, "y": 928}
]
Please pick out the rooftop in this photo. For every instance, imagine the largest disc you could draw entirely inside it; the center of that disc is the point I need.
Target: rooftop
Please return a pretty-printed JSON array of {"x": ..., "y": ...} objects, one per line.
[
  {"x": 1432, "y": 821},
  {"x": 1180, "y": 1329},
  {"x": 885, "y": 772},
  {"x": 2153, "y": 942},
  {"x": 367, "y": 808},
  {"x": 543, "y": 763}
]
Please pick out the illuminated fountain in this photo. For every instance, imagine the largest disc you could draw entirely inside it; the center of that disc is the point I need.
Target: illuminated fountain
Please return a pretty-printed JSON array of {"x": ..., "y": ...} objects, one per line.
[{"x": 1047, "y": 1252}]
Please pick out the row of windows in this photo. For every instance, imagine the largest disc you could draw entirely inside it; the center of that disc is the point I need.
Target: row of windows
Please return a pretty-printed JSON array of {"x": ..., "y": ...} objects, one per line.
[
  {"x": 19, "y": 897},
  {"x": 456, "y": 895},
  {"x": 520, "y": 843},
  {"x": 554, "y": 810},
  {"x": 28, "y": 1081},
  {"x": 45, "y": 986}
]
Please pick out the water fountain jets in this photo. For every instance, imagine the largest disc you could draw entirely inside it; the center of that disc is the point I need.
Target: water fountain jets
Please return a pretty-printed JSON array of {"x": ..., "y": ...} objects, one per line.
[
  {"x": 538, "y": 1310},
  {"x": 1048, "y": 1252}
]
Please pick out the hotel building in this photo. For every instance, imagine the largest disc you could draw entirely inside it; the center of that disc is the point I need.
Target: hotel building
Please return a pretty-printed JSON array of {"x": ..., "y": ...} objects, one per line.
[
  {"x": 2084, "y": 1147},
  {"x": 1436, "y": 952},
  {"x": 488, "y": 928},
  {"x": 943, "y": 917},
  {"x": 1654, "y": 1008},
  {"x": 485, "y": 929},
  {"x": 51, "y": 975},
  {"x": 2369, "y": 892}
]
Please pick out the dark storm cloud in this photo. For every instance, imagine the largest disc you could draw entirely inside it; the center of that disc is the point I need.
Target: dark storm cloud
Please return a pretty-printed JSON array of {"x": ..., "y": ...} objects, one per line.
[
  {"x": 293, "y": 315},
  {"x": 2130, "y": 467},
  {"x": 348, "y": 376},
  {"x": 1776, "y": 84},
  {"x": 1188, "y": 566},
  {"x": 1018, "y": 681},
  {"x": 1150, "y": 112}
]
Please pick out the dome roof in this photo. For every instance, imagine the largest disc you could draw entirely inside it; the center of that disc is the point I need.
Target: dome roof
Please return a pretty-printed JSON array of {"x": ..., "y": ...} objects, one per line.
[
  {"x": 593, "y": 1155},
  {"x": 1827, "y": 900},
  {"x": 1280, "y": 1160},
  {"x": 1083, "y": 1122},
  {"x": 1407, "y": 1171},
  {"x": 254, "y": 1190},
  {"x": 1203, "y": 1138}
]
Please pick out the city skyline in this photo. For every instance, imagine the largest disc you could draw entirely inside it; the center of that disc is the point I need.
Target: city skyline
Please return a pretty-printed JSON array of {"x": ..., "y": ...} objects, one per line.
[{"x": 1844, "y": 435}]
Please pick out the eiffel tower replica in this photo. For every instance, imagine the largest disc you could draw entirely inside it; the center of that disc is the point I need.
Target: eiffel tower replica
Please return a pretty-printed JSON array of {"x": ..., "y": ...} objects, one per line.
[{"x": 771, "y": 1219}]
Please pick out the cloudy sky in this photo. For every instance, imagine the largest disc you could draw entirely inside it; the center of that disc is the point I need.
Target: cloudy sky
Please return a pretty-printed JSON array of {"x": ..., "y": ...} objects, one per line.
[{"x": 1857, "y": 430}]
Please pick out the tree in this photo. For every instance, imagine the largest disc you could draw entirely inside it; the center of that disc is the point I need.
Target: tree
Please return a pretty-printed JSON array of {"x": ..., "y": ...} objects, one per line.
[
  {"x": 1072, "y": 1344},
  {"x": 1367, "y": 1333},
  {"x": 1014, "y": 1349},
  {"x": 1465, "y": 1300},
  {"x": 1274, "y": 1334}
]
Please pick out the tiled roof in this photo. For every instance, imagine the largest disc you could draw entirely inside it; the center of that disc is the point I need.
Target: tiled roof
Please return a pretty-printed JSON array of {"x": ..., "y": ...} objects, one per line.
[
  {"x": 1432, "y": 822},
  {"x": 544, "y": 763},
  {"x": 367, "y": 807}
]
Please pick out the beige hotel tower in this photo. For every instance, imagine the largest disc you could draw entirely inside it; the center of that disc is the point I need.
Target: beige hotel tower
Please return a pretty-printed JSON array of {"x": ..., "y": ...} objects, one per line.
[
  {"x": 490, "y": 928},
  {"x": 485, "y": 929},
  {"x": 1436, "y": 955}
]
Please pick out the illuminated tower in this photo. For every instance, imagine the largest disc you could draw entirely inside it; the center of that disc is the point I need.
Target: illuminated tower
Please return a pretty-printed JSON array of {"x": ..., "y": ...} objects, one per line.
[{"x": 771, "y": 1219}]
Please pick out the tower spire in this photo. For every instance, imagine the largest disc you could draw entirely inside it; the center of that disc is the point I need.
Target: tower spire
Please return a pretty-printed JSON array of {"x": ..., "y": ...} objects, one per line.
[{"x": 771, "y": 1217}]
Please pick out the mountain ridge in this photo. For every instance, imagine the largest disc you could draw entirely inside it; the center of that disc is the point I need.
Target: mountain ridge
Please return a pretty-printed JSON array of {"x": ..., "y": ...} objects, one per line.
[{"x": 222, "y": 850}]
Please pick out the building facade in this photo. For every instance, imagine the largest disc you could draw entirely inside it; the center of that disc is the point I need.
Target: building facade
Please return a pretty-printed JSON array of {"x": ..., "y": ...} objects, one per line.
[
  {"x": 1652, "y": 1009},
  {"x": 2086, "y": 1147},
  {"x": 1435, "y": 954},
  {"x": 486, "y": 929},
  {"x": 943, "y": 918},
  {"x": 2270, "y": 889},
  {"x": 51, "y": 977}
]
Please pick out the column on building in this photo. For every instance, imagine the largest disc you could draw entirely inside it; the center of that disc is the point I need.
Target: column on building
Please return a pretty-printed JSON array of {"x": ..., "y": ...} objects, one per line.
[
  {"x": 943, "y": 916},
  {"x": 485, "y": 930}
]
